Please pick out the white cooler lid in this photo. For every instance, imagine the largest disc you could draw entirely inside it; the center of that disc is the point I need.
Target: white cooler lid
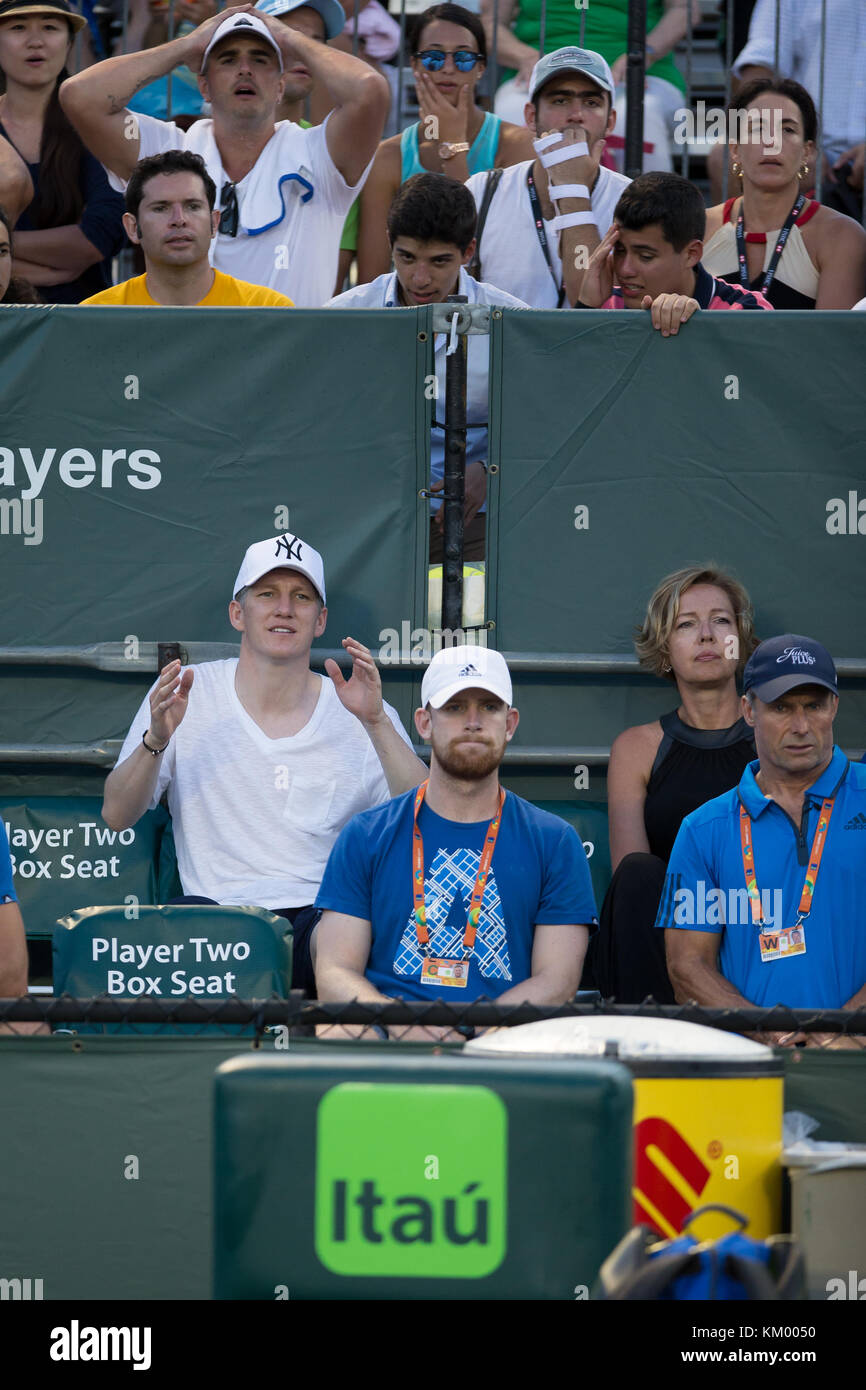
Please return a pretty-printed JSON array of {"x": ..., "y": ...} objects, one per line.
[{"x": 636, "y": 1039}]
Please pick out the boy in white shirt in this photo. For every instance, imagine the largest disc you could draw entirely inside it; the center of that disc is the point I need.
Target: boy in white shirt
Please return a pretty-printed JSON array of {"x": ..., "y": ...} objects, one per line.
[{"x": 431, "y": 229}]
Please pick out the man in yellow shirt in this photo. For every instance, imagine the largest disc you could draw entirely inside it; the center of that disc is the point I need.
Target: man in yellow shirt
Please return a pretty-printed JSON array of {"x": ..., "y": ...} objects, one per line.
[{"x": 170, "y": 214}]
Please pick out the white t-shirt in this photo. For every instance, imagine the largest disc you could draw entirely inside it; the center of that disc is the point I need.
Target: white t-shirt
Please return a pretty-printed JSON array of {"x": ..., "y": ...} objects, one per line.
[
  {"x": 254, "y": 817},
  {"x": 511, "y": 254},
  {"x": 381, "y": 293},
  {"x": 283, "y": 242}
]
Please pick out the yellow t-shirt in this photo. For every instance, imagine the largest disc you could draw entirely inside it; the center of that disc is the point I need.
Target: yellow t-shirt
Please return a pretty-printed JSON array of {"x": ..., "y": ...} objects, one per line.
[{"x": 225, "y": 293}]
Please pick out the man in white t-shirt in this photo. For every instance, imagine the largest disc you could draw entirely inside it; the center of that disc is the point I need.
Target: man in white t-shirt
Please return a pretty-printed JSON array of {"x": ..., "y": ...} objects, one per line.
[
  {"x": 263, "y": 761},
  {"x": 431, "y": 230},
  {"x": 546, "y": 216},
  {"x": 283, "y": 192}
]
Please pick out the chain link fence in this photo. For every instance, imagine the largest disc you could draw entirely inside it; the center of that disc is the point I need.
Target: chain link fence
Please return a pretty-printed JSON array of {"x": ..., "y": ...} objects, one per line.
[{"x": 431, "y": 1022}]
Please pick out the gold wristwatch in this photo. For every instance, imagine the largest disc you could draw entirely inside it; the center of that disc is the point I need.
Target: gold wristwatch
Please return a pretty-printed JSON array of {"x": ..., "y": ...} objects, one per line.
[{"x": 447, "y": 151}]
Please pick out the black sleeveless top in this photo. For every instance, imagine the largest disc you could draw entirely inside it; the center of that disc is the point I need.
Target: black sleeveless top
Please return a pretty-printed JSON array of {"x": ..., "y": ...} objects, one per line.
[{"x": 691, "y": 767}]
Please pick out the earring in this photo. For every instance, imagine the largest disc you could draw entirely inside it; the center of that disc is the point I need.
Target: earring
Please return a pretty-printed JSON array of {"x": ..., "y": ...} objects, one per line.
[
  {"x": 803, "y": 170},
  {"x": 666, "y": 669},
  {"x": 737, "y": 169}
]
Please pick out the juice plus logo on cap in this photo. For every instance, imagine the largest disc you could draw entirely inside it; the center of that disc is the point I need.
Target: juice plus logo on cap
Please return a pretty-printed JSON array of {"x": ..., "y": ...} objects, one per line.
[{"x": 411, "y": 1181}]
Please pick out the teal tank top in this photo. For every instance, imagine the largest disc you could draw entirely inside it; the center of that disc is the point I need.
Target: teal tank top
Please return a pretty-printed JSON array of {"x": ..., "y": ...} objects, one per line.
[{"x": 480, "y": 155}]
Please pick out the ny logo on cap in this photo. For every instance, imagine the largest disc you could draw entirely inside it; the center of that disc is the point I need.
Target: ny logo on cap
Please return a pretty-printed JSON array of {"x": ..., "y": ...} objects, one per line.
[
  {"x": 291, "y": 545},
  {"x": 469, "y": 670},
  {"x": 797, "y": 655}
]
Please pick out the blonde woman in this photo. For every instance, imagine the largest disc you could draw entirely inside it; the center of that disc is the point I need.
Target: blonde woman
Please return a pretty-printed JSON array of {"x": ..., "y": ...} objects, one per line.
[{"x": 697, "y": 634}]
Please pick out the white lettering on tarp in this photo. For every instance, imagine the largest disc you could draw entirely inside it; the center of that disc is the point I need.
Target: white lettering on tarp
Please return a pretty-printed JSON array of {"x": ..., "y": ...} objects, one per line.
[
  {"x": 77, "y": 467},
  {"x": 70, "y": 865}
]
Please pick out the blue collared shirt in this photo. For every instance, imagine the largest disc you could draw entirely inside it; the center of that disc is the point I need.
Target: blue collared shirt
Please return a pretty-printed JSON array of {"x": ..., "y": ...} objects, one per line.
[{"x": 705, "y": 888}]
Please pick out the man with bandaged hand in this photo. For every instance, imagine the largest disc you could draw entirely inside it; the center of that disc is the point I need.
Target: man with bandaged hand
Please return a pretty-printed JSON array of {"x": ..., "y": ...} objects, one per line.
[{"x": 546, "y": 216}]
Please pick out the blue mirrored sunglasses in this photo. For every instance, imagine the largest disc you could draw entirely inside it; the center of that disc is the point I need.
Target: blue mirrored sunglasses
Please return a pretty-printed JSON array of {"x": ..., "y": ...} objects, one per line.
[{"x": 433, "y": 59}]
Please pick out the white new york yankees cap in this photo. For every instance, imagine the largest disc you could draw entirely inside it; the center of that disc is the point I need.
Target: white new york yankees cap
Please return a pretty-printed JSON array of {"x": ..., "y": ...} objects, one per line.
[
  {"x": 286, "y": 552},
  {"x": 465, "y": 668}
]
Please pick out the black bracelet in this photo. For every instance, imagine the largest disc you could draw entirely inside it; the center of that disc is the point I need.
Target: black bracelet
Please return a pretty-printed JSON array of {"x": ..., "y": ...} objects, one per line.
[{"x": 154, "y": 752}]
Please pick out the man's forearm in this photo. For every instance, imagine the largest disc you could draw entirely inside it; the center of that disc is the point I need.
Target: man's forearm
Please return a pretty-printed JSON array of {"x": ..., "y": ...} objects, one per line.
[
  {"x": 107, "y": 87},
  {"x": 576, "y": 246},
  {"x": 58, "y": 248},
  {"x": 13, "y": 952},
  {"x": 129, "y": 789},
  {"x": 338, "y": 984},
  {"x": 695, "y": 980},
  {"x": 39, "y": 274},
  {"x": 402, "y": 769},
  {"x": 858, "y": 1000},
  {"x": 672, "y": 27},
  {"x": 547, "y": 987}
]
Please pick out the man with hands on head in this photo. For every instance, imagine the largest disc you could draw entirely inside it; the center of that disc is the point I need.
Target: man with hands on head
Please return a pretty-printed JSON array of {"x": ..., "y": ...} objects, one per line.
[
  {"x": 283, "y": 192},
  {"x": 546, "y": 215},
  {"x": 458, "y": 889},
  {"x": 650, "y": 257},
  {"x": 262, "y": 760}
]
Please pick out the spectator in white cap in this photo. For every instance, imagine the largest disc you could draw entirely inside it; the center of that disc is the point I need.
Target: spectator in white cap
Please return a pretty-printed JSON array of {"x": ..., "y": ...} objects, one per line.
[
  {"x": 540, "y": 221},
  {"x": 457, "y": 889},
  {"x": 262, "y": 760},
  {"x": 283, "y": 192}
]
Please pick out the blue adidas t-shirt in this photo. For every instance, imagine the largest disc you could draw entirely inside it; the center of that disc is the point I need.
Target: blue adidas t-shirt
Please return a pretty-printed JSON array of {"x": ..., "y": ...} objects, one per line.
[
  {"x": 707, "y": 856},
  {"x": 539, "y": 875},
  {"x": 7, "y": 889}
]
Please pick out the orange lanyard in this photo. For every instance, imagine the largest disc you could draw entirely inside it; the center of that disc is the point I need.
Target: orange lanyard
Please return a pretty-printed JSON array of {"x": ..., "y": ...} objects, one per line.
[
  {"x": 817, "y": 850},
  {"x": 474, "y": 917}
]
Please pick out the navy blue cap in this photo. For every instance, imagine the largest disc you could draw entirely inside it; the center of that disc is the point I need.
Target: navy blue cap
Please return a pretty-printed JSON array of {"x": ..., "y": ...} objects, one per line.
[{"x": 782, "y": 663}]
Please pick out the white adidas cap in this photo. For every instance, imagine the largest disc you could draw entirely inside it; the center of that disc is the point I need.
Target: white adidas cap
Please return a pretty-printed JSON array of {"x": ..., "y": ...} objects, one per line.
[
  {"x": 244, "y": 24},
  {"x": 286, "y": 552},
  {"x": 465, "y": 668}
]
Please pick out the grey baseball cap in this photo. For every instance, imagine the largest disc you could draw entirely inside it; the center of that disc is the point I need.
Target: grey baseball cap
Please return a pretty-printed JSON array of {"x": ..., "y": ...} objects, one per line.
[{"x": 581, "y": 60}]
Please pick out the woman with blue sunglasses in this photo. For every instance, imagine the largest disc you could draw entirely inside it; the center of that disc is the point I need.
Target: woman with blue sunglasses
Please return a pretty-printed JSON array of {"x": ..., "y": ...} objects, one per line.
[{"x": 454, "y": 136}]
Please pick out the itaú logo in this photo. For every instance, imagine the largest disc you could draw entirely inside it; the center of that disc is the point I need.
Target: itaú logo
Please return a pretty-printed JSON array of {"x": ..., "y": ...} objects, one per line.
[{"x": 657, "y": 1202}]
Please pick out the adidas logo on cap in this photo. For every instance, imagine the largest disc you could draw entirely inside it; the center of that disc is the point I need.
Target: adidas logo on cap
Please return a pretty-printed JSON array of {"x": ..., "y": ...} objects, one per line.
[
  {"x": 857, "y": 822},
  {"x": 242, "y": 20},
  {"x": 469, "y": 670}
]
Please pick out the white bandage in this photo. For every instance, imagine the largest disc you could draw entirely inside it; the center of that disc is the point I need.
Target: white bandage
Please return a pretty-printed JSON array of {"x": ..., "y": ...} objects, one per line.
[
  {"x": 567, "y": 190},
  {"x": 559, "y": 155},
  {"x": 572, "y": 219}
]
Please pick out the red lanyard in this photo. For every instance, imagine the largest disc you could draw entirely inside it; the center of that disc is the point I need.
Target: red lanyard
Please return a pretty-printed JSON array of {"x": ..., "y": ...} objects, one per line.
[
  {"x": 818, "y": 842},
  {"x": 474, "y": 917}
]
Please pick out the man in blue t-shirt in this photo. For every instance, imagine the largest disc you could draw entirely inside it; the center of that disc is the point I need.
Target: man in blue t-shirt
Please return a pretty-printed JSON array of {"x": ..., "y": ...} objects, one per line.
[
  {"x": 456, "y": 889},
  {"x": 764, "y": 901},
  {"x": 13, "y": 944}
]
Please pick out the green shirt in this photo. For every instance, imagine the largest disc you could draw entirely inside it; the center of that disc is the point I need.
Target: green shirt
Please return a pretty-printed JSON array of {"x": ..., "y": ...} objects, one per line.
[{"x": 605, "y": 30}]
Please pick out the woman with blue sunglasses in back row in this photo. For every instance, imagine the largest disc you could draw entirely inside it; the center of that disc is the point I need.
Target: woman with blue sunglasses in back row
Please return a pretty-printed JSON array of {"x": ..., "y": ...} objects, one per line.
[{"x": 454, "y": 136}]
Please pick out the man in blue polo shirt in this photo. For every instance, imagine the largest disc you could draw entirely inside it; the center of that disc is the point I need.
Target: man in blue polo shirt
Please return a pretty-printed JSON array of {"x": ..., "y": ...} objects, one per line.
[
  {"x": 13, "y": 944},
  {"x": 765, "y": 896},
  {"x": 456, "y": 889}
]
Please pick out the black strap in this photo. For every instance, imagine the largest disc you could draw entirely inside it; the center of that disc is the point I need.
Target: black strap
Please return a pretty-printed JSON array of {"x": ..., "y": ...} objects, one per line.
[
  {"x": 490, "y": 187},
  {"x": 780, "y": 245},
  {"x": 542, "y": 235}
]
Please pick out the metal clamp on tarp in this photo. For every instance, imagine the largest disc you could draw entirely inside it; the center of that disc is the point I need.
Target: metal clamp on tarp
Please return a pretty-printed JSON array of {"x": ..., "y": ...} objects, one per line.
[{"x": 471, "y": 318}]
